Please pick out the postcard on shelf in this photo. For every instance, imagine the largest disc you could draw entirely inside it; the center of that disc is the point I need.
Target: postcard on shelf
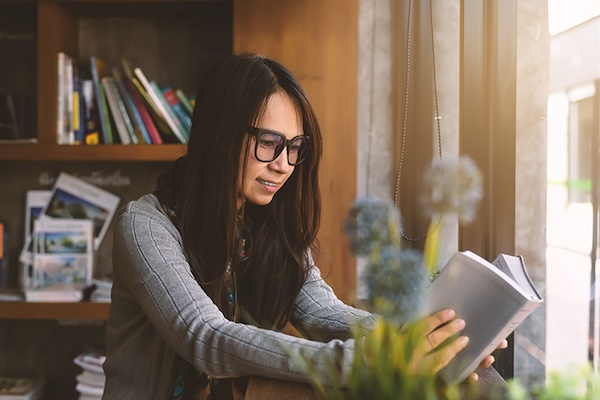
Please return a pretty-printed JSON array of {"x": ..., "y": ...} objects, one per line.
[
  {"x": 493, "y": 299},
  {"x": 35, "y": 201},
  {"x": 73, "y": 198},
  {"x": 63, "y": 256}
]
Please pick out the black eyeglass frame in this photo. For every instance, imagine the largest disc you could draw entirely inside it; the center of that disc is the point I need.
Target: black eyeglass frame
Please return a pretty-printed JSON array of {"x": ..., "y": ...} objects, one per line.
[{"x": 258, "y": 132}]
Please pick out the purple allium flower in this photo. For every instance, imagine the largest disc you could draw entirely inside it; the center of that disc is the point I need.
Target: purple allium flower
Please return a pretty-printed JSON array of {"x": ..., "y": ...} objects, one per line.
[
  {"x": 371, "y": 223},
  {"x": 452, "y": 186}
]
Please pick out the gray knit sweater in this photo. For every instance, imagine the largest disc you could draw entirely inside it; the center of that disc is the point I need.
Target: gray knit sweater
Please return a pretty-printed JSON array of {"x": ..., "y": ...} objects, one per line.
[{"x": 160, "y": 315}]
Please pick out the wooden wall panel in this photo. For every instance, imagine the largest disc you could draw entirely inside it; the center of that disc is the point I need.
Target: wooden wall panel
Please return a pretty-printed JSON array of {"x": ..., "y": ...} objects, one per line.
[{"x": 318, "y": 41}]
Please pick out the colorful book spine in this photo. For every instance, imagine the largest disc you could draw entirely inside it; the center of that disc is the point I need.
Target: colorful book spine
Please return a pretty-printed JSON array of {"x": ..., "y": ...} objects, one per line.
[
  {"x": 90, "y": 112},
  {"x": 144, "y": 113},
  {"x": 177, "y": 107},
  {"x": 136, "y": 119},
  {"x": 185, "y": 101},
  {"x": 78, "y": 108},
  {"x": 99, "y": 71},
  {"x": 114, "y": 104},
  {"x": 159, "y": 102}
]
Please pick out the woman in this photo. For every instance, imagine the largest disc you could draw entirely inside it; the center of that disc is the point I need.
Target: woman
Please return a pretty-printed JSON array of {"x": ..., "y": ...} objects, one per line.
[{"x": 210, "y": 268}]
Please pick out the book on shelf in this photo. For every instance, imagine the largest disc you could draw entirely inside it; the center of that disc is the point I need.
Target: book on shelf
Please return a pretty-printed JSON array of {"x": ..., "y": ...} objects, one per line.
[
  {"x": 185, "y": 101},
  {"x": 182, "y": 114},
  {"x": 492, "y": 298},
  {"x": 91, "y": 381},
  {"x": 101, "y": 293},
  {"x": 78, "y": 117},
  {"x": 21, "y": 388},
  {"x": 99, "y": 70},
  {"x": 64, "y": 126},
  {"x": 91, "y": 118},
  {"x": 137, "y": 122},
  {"x": 117, "y": 110},
  {"x": 63, "y": 255},
  {"x": 158, "y": 100},
  {"x": 158, "y": 129}
]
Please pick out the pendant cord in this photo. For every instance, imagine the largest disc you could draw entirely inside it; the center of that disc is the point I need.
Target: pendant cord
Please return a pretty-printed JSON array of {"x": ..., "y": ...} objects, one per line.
[
  {"x": 405, "y": 118},
  {"x": 371, "y": 97}
]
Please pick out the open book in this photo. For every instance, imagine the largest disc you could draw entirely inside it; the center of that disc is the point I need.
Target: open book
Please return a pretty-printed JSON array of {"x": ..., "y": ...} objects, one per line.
[{"x": 492, "y": 298}]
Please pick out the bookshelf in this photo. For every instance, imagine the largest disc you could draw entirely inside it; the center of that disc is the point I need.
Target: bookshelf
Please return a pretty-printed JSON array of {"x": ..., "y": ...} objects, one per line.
[
  {"x": 53, "y": 311},
  {"x": 317, "y": 40},
  {"x": 117, "y": 152},
  {"x": 173, "y": 41}
]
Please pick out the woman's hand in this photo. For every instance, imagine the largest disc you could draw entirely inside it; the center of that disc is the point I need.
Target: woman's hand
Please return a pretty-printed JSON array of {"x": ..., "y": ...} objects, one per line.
[
  {"x": 429, "y": 356},
  {"x": 488, "y": 361}
]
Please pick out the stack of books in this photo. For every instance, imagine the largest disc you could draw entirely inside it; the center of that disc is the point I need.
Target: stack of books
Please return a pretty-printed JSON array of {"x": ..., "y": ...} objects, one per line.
[
  {"x": 21, "y": 388},
  {"x": 100, "y": 104},
  {"x": 102, "y": 292},
  {"x": 90, "y": 382}
]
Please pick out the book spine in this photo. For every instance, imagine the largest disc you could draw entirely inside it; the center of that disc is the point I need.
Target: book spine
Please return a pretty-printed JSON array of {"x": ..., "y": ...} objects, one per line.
[
  {"x": 170, "y": 112},
  {"x": 98, "y": 69},
  {"x": 90, "y": 112},
  {"x": 139, "y": 128},
  {"x": 70, "y": 132},
  {"x": 161, "y": 123},
  {"x": 60, "y": 109},
  {"x": 156, "y": 99},
  {"x": 185, "y": 101},
  {"x": 138, "y": 102},
  {"x": 177, "y": 107},
  {"x": 113, "y": 103},
  {"x": 78, "y": 108}
]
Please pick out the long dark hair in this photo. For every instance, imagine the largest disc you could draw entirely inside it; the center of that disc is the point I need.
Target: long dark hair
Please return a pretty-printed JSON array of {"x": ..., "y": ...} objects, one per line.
[{"x": 202, "y": 188}]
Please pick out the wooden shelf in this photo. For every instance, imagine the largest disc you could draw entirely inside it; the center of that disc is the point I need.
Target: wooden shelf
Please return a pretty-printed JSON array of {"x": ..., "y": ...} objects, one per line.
[
  {"x": 54, "y": 311},
  {"x": 55, "y": 152}
]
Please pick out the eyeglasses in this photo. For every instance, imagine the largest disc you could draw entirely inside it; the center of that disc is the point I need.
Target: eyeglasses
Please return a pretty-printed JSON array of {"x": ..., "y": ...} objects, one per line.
[{"x": 269, "y": 145}]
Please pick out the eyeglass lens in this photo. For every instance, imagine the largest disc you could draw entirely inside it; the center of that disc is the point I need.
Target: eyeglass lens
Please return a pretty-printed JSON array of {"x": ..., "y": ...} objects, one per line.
[{"x": 269, "y": 146}]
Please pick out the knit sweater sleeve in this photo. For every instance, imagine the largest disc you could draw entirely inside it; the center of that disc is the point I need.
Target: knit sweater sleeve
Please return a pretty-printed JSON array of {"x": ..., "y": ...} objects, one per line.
[
  {"x": 158, "y": 308},
  {"x": 320, "y": 315}
]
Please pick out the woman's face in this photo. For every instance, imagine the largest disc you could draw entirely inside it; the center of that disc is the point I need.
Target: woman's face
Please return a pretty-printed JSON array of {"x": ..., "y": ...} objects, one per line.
[{"x": 263, "y": 179}]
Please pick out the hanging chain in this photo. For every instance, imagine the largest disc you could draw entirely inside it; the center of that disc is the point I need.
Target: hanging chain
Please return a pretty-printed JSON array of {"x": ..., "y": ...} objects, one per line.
[{"x": 406, "y": 97}]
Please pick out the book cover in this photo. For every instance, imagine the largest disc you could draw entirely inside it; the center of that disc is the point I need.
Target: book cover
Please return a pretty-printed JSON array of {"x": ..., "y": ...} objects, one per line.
[
  {"x": 159, "y": 102},
  {"x": 491, "y": 302},
  {"x": 177, "y": 107},
  {"x": 99, "y": 71},
  {"x": 136, "y": 119},
  {"x": 123, "y": 125}
]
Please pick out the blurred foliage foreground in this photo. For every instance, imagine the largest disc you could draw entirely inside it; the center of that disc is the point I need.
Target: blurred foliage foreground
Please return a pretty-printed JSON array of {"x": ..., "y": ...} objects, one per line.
[{"x": 397, "y": 280}]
